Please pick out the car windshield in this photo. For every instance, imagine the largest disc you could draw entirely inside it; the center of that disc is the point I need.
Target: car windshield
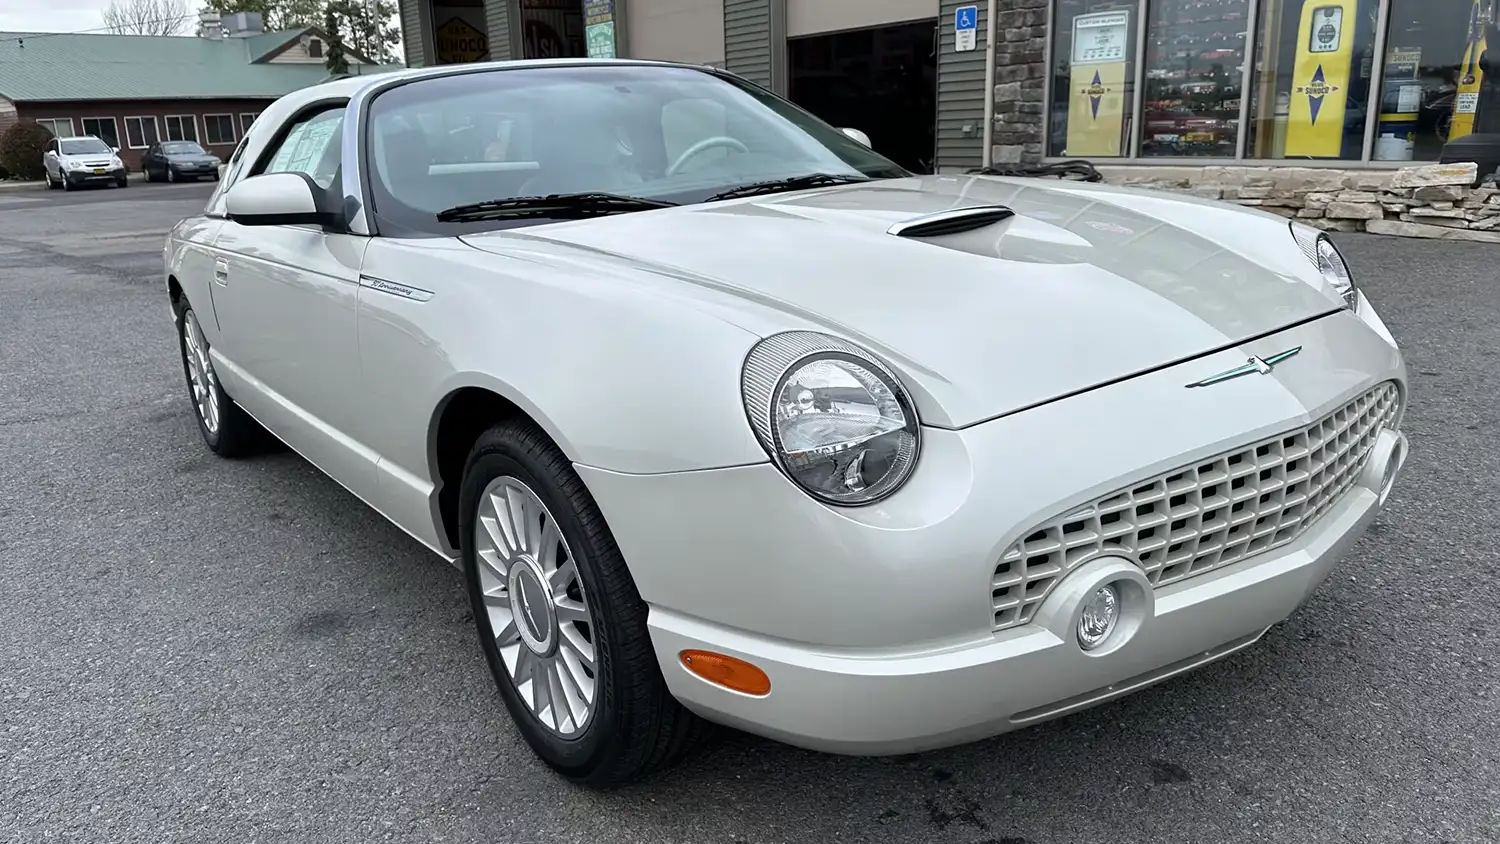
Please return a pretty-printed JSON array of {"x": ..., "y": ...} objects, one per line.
[
  {"x": 182, "y": 148},
  {"x": 85, "y": 146},
  {"x": 671, "y": 134}
]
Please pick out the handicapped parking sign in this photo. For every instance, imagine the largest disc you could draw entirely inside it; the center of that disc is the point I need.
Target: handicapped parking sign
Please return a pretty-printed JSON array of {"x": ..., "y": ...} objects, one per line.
[{"x": 965, "y": 28}]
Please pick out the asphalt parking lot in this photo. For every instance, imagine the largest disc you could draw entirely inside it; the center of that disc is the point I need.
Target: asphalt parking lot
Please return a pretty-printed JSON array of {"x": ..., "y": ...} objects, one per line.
[{"x": 194, "y": 650}]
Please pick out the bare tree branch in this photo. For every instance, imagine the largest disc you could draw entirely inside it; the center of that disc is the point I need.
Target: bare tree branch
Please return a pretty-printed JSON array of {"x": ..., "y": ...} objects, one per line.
[{"x": 147, "y": 17}]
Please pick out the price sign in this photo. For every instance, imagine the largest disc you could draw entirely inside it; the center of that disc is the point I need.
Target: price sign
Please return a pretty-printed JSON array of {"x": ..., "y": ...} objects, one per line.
[{"x": 1100, "y": 38}]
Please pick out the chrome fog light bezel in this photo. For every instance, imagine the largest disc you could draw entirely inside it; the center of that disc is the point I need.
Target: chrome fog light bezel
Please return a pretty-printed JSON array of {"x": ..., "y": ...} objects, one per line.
[{"x": 1063, "y": 610}]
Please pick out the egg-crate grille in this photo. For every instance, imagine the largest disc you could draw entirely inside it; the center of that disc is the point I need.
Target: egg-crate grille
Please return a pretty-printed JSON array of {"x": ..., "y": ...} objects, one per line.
[{"x": 1201, "y": 517}]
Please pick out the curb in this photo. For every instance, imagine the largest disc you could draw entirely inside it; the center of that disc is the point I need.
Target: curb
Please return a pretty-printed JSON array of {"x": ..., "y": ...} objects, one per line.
[{"x": 9, "y": 185}]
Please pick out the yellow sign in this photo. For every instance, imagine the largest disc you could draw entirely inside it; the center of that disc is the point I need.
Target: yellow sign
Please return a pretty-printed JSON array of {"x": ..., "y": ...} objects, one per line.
[
  {"x": 1096, "y": 100},
  {"x": 1320, "y": 79},
  {"x": 458, "y": 42},
  {"x": 1470, "y": 76}
]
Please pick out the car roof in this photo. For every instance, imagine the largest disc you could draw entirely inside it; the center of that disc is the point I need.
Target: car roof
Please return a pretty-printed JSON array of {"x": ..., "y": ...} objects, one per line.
[{"x": 348, "y": 86}]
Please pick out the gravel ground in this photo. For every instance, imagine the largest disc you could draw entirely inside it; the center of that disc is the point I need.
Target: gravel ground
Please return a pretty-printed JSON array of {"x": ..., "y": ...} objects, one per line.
[{"x": 194, "y": 650}]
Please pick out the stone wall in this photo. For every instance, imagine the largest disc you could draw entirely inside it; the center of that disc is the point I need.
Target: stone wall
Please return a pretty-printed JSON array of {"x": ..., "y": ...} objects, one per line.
[
  {"x": 1020, "y": 39},
  {"x": 1433, "y": 201}
]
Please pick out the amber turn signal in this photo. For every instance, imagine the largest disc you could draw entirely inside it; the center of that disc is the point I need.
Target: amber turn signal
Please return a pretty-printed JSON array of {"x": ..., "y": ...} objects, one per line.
[{"x": 726, "y": 671}]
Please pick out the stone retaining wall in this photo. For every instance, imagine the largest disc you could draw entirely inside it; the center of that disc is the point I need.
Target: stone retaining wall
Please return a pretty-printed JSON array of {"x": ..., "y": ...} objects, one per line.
[{"x": 1434, "y": 200}]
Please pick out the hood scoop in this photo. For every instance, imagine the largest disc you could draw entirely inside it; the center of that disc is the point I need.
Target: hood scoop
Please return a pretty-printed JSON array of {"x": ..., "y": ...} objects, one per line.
[{"x": 957, "y": 221}]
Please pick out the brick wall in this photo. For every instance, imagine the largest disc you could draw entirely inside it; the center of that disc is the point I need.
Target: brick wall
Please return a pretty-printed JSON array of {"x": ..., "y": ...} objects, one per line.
[
  {"x": 159, "y": 109},
  {"x": 1020, "y": 75}
]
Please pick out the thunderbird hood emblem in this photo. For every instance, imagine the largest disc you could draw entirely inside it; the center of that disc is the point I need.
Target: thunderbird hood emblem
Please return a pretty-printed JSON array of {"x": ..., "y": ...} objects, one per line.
[{"x": 1253, "y": 365}]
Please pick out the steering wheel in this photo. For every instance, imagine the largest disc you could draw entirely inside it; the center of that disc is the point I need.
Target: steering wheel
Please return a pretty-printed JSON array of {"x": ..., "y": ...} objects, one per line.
[{"x": 702, "y": 146}]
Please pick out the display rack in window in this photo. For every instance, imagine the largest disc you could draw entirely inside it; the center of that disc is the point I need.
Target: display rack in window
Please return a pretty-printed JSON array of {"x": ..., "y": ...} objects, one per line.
[{"x": 1195, "y": 55}]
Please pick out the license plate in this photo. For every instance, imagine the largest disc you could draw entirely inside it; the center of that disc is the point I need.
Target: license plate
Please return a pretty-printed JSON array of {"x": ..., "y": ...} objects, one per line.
[{"x": 101, "y": 170}]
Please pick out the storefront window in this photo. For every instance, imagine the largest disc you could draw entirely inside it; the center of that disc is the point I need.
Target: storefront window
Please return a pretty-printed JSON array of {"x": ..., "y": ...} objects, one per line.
[
  {"x": 1093, "y": 87},
  {"x": 1195, "y": 58},
  {"x": 1431, "y": 81},
  {"x": 1312, "y": 86}
]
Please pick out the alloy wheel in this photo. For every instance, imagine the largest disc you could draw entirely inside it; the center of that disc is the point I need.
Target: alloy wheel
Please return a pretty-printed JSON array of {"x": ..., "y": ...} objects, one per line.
[
  {"x": 535, "y": 605},
  {"x": 201, "y": 374}
]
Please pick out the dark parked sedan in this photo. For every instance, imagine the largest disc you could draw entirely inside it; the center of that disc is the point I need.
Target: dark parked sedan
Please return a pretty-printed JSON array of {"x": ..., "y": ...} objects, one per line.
[{"x": 179, "y": 160}]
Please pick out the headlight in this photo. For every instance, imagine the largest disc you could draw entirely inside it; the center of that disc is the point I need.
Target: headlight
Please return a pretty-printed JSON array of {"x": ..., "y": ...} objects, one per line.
[
  {"x": 834, "y": 419},
  {"x": 1325, "y": 256},
  {"x": 75, "y": 165}
]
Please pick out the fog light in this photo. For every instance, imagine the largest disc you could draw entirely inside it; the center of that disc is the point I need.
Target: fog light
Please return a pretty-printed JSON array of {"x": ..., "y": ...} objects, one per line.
[{"x": 1100, "y": 614}]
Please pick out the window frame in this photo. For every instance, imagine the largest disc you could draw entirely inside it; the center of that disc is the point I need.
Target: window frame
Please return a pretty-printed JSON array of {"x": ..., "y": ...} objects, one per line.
[
  {"x": 51, "y": 124},
  {"x": 1132, "y": 156},
  {"x": 155, "y": 130},
  {"x": 192, "y": 120},
  {"x": 114, "y": 126},
  {"x": 234, "y": 137},
  {"x": 245, "y": 127}
]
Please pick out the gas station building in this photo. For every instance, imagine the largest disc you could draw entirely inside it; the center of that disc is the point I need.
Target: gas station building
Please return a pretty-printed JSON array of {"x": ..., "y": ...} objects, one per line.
[{"x": 1349, "y": 83}]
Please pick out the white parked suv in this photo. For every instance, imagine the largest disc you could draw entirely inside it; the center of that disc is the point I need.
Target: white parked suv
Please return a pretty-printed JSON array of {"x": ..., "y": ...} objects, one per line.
[{"x": 72, "y": 162}]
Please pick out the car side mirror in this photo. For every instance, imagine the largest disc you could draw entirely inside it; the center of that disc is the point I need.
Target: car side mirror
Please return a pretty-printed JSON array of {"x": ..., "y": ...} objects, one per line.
[
  {"x": 115, "y": 150},
  {"x": 858, "y": 136},
  {"x": 277, "y": 199}
]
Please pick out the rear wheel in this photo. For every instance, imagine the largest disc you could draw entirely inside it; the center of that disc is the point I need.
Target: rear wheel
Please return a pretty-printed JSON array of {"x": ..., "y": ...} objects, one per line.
[
  {"x": 226, "y": 428},
  {"x": 560, "y": 621}
]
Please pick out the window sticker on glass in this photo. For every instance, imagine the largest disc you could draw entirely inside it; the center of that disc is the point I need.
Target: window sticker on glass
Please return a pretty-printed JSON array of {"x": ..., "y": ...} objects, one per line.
[{"x": 1327, "y": 29}]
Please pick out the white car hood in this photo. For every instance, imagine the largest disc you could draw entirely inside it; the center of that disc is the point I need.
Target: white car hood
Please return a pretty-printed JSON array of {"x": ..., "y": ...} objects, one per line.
[{"x": 1086, "y": 285}]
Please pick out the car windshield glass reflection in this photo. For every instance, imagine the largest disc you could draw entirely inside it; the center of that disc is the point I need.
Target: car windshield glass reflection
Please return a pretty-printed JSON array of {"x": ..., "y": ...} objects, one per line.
[
  {"x": 89, "y": 146},
  {"x": 675, "y": 135},
  {"x": 182, "y": 148}
]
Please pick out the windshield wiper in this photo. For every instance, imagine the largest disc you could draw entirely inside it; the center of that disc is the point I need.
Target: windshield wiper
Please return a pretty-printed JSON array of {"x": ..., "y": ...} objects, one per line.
[
  {"x": 812, "y": 180},
  {"x": 566, "y": 206}
]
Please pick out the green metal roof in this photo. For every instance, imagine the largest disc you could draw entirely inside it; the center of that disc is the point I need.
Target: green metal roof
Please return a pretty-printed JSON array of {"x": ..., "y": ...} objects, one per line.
[{"x": 40, "y": 66}]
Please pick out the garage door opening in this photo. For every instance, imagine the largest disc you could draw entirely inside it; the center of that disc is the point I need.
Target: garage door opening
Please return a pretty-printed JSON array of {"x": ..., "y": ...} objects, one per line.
[{"x": 882, "y": 81}]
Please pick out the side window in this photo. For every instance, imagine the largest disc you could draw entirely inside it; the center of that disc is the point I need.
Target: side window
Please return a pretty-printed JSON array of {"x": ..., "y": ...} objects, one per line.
[
  {"x": 231, "y": 172},
  {"x": 311, "y": 147},
  {"x": 687, "y": 122}
]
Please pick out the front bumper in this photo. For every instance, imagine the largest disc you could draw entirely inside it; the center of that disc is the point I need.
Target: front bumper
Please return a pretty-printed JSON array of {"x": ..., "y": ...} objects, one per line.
[
  {"x": 90, "y": 176},
  {"x": 183, "y": 171},
  {"x": 875, "y": 625}
]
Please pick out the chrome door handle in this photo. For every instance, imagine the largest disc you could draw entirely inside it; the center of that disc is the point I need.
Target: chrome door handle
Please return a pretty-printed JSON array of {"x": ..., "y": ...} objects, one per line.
[{"x": 221, "y": 271}]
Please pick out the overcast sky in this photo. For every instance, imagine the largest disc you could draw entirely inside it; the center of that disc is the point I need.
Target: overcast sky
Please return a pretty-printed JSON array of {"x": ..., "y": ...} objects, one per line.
[
  {"x": 65, "y": 16},
  {"x": 51, "y": 15}
]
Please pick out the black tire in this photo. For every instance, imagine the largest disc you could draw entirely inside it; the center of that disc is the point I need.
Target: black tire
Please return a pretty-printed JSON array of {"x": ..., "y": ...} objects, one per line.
[
  {"x": 238, "y": 434},
  {"x": 637, "y": 727},
  {"x": 66, "y": 185},
  {"x": 150, "y": 176},
  {"x": 171, "y": 175},
  {"x": 122, "y": 182}
]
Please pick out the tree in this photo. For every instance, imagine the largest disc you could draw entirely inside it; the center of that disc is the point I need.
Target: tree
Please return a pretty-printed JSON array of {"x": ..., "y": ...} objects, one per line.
[
  {"x": 370, "y": 29},
  {"x": 147, "y": 17},
  {"x": 22, "y": 147},
  {"x": 277, "y": 15},
  {"x": 333, "y": 50}
]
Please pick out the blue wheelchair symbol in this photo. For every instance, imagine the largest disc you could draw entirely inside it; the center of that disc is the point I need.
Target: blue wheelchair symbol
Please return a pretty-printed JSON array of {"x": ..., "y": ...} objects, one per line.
[{"x": 966, "y": 17}]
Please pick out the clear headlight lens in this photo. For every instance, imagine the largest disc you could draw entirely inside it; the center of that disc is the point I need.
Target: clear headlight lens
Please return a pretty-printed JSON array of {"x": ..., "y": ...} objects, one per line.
[
  {"x": 836, "y": 421},
  {"x": 74, "y": 164},
  {"x": 1325, "y": 256}
]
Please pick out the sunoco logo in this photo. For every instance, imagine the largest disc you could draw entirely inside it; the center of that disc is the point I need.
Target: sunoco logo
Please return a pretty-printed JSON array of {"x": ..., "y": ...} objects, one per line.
[{"x": 1316, "y": 89}]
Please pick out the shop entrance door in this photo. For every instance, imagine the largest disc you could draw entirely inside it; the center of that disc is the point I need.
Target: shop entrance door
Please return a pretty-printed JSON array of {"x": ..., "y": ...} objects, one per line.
[
  {"x": 553, "y": 29},
  {"x": 882, "y": 81}
]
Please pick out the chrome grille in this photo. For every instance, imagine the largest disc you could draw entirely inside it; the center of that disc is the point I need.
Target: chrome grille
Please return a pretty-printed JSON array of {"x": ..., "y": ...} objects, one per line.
[{"x": 1200, "y": 517}]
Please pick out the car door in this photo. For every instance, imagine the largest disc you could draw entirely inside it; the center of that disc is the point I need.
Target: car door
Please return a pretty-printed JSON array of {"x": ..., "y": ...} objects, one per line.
[
  {"x": 49, "y": 159},
  {"x": 286, "y": 298}
]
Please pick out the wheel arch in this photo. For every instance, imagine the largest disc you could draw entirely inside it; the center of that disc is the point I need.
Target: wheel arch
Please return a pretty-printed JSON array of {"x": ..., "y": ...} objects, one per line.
[{"x": 467, "y": 409}]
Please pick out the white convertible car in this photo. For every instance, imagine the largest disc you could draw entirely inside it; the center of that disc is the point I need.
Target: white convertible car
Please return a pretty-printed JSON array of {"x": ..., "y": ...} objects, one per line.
[{"x": 729, "y": 419}]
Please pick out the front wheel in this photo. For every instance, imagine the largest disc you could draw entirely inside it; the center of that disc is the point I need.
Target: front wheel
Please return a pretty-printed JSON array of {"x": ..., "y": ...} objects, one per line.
[
  {"x": 560, "y": 621},
  {"x": 227, "y": 429}
]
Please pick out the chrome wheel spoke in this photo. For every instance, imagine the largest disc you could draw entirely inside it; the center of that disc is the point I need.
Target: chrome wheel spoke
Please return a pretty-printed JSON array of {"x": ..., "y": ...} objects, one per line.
[
  {"x": 569, "y": 610},
  {"x": 577, "y": 648},
  {"x": 560, "y": 578},
  {"x": 549, "y": 543}
]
